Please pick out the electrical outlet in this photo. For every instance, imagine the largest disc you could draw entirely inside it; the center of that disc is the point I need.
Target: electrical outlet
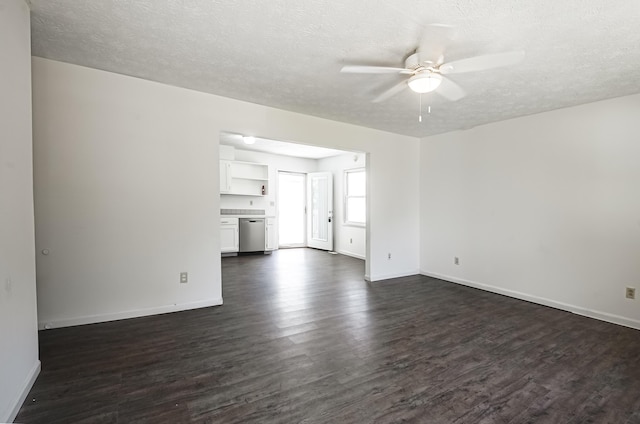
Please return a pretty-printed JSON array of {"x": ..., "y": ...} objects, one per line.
[
  {"x": 456, "y": 260},
  {"x": 351, "y": 240},
  {"x": 389, "y": 256},
  {"x": 184, "y": 277},
  {"x": 630, "y": 293}
]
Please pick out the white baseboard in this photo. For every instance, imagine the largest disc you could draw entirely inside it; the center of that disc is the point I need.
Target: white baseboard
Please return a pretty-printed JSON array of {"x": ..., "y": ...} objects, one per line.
[
  {"x": 390, "y": 276},
  {"x": 92, "y": 319},
  {"x": 351, "y": 254},
  {"x": 599, "y": 315},
  {"x": 22, "y": 395}
]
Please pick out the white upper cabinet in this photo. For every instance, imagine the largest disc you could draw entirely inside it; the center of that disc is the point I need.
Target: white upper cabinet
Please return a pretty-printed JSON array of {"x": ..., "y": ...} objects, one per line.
[
  {"x": 244, "y": 178},
  {"x": 225, "y": 176}
]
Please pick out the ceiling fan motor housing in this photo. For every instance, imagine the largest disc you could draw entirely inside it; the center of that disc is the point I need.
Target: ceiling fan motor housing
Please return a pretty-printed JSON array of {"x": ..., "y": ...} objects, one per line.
[{"x": 414, "y": 62}]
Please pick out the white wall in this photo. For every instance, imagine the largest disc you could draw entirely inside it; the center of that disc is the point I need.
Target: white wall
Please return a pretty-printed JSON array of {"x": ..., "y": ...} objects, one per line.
[
  {"x": 276, "y": 163},
  {"x": 19, "y": 364},
  {"x": 544, "y": 208},
  {"x": 348, "y": 239},
  {"x": 127, "y": 191}
]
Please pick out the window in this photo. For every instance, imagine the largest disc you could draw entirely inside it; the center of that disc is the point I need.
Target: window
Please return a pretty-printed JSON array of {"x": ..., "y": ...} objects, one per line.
[{"x": 355, "y": 196}]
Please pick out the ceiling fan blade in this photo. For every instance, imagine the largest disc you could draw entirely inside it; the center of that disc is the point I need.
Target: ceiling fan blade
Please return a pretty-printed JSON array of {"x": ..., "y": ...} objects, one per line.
[
  {"x": 450, "y": 90},
  {"x": 357, "y": 69},
  {"x": 481, "y": 63},
  {"x": 433, "y": 42},
  {"x": 390, "y": 92}
]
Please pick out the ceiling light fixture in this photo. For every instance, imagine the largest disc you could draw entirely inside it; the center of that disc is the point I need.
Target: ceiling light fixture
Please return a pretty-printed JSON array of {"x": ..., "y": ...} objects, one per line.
[
  {"x": 248, "y": 139},
  {"x": 424, "y": 82}
]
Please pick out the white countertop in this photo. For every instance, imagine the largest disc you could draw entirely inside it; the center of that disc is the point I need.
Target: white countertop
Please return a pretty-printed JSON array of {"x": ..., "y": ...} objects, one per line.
[{"x": 246, "y": 216}]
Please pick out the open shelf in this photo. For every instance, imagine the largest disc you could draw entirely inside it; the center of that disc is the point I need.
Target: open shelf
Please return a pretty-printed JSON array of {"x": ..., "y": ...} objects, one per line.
[{"x": 244, "y": 178}]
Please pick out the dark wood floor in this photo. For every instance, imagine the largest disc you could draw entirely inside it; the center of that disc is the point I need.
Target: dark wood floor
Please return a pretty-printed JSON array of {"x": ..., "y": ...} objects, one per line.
[{"x": 302, "y": 338}]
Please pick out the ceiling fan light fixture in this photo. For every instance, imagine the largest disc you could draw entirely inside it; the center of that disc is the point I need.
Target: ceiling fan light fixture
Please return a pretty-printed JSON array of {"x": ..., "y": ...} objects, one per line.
[
  {"x": 248, "y": 139},
  {"x": 424, "y": 82}
]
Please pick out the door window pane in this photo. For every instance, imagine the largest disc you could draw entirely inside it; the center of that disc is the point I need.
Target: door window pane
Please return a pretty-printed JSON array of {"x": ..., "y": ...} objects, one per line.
[{"x": 319, "y": 209}]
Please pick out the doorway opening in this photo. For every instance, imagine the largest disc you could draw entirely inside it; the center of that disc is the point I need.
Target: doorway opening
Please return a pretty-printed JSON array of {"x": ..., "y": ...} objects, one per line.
[
  {"x": 291, "y": 209},
  {"x": 306, "y": 194}
]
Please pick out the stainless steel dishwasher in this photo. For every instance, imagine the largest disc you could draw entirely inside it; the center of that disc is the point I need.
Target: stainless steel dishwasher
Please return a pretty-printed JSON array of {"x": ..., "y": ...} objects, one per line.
[{"x": 251, "y": 234}]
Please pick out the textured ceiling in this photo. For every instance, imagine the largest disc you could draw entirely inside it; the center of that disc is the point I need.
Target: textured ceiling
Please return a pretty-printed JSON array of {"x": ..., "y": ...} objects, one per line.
[
  {"x": 279, "y": 147},
  {"x": 288, "y": 53}
]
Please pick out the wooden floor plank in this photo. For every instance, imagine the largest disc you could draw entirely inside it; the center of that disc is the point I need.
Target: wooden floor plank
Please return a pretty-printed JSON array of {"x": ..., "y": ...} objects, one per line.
[{"x": 301, "y": 337}]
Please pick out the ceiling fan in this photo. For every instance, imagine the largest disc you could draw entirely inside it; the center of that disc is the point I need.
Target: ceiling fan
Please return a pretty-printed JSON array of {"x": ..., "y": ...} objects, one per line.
[{"x": 426, "y": 70}]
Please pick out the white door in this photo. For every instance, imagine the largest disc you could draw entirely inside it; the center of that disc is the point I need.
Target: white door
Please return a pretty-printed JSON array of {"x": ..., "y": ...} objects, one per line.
[{"x": 320, "y": 210}]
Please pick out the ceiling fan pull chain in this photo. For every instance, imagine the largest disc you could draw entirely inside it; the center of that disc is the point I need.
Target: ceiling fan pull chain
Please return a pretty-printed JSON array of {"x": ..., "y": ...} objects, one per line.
[{"x": 420, "y": 109}]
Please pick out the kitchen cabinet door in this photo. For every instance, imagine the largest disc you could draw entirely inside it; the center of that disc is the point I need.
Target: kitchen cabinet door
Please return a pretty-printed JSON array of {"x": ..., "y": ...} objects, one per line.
[
  {"x": 229, "y": 236},
  {"x": 270, "y": 236}
]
